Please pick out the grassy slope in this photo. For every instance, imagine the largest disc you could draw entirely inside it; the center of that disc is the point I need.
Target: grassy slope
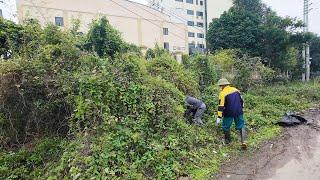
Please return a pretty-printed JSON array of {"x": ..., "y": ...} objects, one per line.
[{"x": 263, "y": 106}]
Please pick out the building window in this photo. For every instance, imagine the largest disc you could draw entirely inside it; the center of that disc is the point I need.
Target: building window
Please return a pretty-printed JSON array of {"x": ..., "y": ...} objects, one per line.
[
  {"x": 201, "y": 3},
  {"x": 200, "y": 35},
  {"x": 197, "y": 2},
  {"x": 190, "y": 34},
  {"x": 166, "y": 45},
  {"x": 192, "y": 45},
  {"x": 200, "y": 24},
  {"x": 179, "y": 0},
  {"x": 201, "y": 46},
  {"x": 189, "y": 1},
  {"x": 190, "y": 12},
  {"x": 59, "y": 21},
  {"x": 165, "y": 31},
  {"x": 190, "y": 23},
  {"x": 1, "y": 13},
  {"x": 199, "y": 13}
]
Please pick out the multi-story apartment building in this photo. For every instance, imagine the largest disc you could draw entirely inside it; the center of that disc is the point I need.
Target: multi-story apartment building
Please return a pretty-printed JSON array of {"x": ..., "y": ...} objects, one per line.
[
  {"x": 139, "y": 24},
  {"x": 8, "y": 10},
  {"x": 192, "y": 13},
  {"x": 196, "y": 14}
]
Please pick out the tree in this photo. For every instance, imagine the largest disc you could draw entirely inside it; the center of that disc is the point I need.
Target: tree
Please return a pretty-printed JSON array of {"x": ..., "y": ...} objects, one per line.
[
  {"x": 290, "y": 60},
  {"x": 10, "y": 37},
  {"x": 236, "y": 29},
  {"x": 255, "y": 6},
  {"x": 205, "y": 69},
  {"x": 103, "y": 39},
  {"x": 256, "y": 30},
  {"x": 32, "y": 39},
  {"x": 150, "y": 54},
  {"x": 225, "y": 60},
  {"x": 315, "y": 54}
]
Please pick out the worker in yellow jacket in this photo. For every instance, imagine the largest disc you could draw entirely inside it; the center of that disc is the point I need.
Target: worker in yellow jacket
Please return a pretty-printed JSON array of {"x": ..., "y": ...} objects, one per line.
[{"x": 231, "y": 109}]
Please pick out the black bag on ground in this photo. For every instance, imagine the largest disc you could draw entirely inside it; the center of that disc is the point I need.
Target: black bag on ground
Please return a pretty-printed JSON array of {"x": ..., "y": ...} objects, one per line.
[{"x": 291, "y": 119}]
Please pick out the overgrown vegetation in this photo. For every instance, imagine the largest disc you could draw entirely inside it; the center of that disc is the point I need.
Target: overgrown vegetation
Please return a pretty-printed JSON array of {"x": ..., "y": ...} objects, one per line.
[
  {"x": 315, "y": 53},
  {"x": 257, "y": 30},
  {"x": 91, "y": 106}
]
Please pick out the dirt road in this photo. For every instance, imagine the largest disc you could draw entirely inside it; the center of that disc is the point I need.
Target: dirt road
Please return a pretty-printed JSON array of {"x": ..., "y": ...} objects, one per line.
[{"x": 293, "y": 156}]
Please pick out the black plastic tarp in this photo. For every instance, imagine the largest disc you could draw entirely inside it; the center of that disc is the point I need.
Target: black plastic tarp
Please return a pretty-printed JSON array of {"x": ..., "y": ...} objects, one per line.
[{"x": 291, "y": 119}]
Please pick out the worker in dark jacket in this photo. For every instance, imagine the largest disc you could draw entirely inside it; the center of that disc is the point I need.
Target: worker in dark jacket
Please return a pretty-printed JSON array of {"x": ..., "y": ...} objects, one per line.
[
  {"x": 231, "y": 109},
  {"x": 196, "y": 107}
]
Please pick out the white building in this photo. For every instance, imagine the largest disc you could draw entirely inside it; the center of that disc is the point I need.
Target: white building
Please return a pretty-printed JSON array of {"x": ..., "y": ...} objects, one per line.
[
  {"x": 196, "y": 14},
  {"x": 192, "y": 13},
  {"x": 8, "y": 10},
  {"x": 138, "y": 24}
]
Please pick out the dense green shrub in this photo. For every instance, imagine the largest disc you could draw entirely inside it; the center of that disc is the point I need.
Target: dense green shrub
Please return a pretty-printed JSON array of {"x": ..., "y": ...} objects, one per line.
[
  {"x": 32, "y": 102},
  {"x": 150, "y": 54},
  {"x": 204, "y": 68},
  {"x": 250, "y": 72},
  {"x": 30, "y": 164},
  {"x": 103, "y": 39},
  {"x": 211, "y": 99},
  {"x": 10, "y": 38},
  {"x": 169, "y": 69},
  {"x": 31, "y": 91}
]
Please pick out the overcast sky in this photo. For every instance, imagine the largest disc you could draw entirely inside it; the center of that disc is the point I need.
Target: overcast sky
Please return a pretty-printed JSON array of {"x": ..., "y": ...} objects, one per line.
[{"x": 292, "y": 8}]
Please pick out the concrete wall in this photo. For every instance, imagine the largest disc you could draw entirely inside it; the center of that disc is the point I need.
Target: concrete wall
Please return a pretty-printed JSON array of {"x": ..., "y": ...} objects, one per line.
[{"x": 138, "y": 24}]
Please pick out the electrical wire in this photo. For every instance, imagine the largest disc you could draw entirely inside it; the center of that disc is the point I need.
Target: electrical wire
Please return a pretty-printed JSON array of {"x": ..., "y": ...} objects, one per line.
[
  {"x": 181, "y": 18},
  {"x": 171, "y": 12},
  {"x": 145, "y": 19}
]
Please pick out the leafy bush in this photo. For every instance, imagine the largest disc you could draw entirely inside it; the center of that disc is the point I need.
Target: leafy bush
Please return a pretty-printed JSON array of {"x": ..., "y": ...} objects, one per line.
[
  {"x": 150, "y": 54},
  {"x": 30, "y": 164},
  {"x": 32, "y": 92},
  {"x": 32, "y": 102},
  {"x": 204, "y": 68},
  {"x": 211, "y": 99},
  {"x": 250, "y": 72},
  {"x": 10, "y": 38},
  {"x": 169, "y": 69},
  {"x": 224, "y": 61},
  {"x": 103, "y": 39}
]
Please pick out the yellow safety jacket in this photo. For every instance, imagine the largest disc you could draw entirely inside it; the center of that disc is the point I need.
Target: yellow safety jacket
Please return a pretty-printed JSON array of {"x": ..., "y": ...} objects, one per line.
[{"x": 230, "y": 102}]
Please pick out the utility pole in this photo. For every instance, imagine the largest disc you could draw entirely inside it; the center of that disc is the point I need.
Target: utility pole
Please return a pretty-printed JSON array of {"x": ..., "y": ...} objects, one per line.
[
  {"x": 206, "y": 23},
  {"x": 306, "y": 47}
]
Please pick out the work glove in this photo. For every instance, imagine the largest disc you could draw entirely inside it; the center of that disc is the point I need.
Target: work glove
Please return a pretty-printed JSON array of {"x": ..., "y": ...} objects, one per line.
[{"x": 218, "y": 121}]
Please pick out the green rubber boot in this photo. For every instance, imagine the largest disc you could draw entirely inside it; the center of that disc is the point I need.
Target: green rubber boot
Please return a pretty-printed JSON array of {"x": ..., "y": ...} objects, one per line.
[
  {"x": 243, "y": 138},
  {"x": 227, "y": 137}
]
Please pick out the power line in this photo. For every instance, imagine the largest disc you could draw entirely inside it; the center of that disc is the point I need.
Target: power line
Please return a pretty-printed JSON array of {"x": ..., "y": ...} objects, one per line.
[
  {"x": 146, "y": 19},
  {"x": 175, "y": 15},
  {"x": 172, "y": 23},
  {"x": 161, "y": 17},
  {"x": 171, "y": 12},
  {"x": 185, "y": 20}
]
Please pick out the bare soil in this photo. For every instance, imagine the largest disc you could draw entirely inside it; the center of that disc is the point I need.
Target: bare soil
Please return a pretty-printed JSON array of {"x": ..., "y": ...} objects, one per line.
[{"x": 293, "y": 156}]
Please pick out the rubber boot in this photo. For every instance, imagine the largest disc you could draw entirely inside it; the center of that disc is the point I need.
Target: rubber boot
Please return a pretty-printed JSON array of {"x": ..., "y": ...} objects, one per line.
[
  {"x": 227, "y": 137},
  {"x": 243, "y": 138}
]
